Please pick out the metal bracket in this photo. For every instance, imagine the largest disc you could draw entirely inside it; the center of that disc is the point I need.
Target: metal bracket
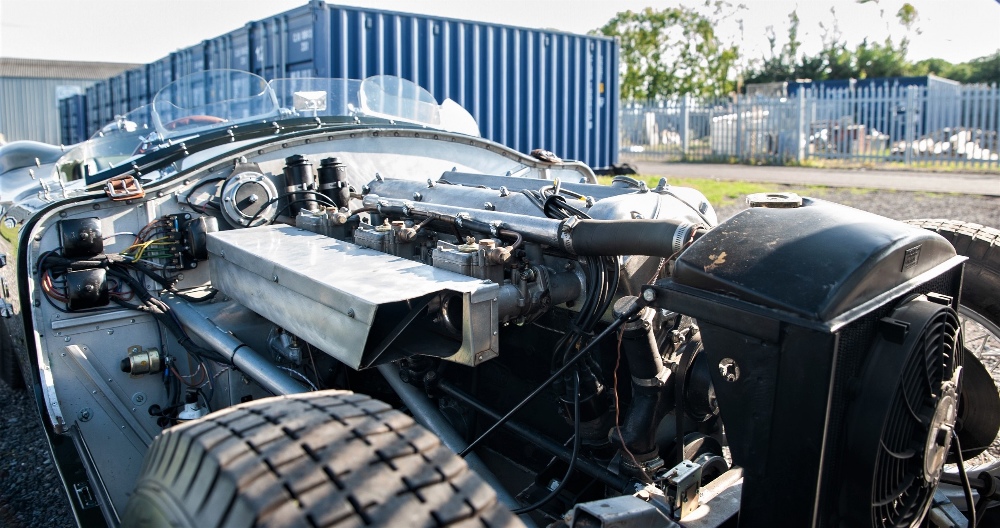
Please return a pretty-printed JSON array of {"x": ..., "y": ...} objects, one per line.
[
  {"x": 84, "y": 496},
  {"x": 6, "y": 309},
  {"x": 683, "y": 484},
  {"x": 125, "y": 187},
  {"x": 625, "y": 511}
]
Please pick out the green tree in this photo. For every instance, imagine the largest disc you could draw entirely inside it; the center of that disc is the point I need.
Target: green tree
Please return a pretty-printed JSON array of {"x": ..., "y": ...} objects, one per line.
[
  {"x": 670, "y": 52},
  {"x": 880, "y": 60},
  {"x": 984, "y": 69},
  {"x": 836, "y": 60},
  {"x": 781, "y": 65},
  {"x": 939, "y": 67}
]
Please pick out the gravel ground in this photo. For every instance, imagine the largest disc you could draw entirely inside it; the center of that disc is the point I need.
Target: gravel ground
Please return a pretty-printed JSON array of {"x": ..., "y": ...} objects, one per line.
[
  {"x": 901, "y": 205},
  {"x": 30, "y": 492}
]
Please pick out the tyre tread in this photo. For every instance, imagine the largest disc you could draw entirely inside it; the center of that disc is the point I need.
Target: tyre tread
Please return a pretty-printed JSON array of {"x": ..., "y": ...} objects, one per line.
[
  {"x": 981, "y": 244},
  {"x": 330, "y": 459}
]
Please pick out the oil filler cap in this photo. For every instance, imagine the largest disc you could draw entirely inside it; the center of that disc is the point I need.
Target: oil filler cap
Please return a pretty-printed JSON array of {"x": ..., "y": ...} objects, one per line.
[{"x": 776, "y": 200}]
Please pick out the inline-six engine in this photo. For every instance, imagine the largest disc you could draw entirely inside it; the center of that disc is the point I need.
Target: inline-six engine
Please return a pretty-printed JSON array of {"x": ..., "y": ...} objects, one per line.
[{"x": 831, "y": 350}]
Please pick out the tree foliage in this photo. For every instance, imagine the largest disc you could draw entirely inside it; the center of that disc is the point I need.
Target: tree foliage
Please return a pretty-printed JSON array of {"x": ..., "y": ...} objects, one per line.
[
  {"x": 676, "y": 50},
  {"x": 671, "y": 51},
  {"x": 868, "y": 59},
  {"x": 984, "y": 70}
]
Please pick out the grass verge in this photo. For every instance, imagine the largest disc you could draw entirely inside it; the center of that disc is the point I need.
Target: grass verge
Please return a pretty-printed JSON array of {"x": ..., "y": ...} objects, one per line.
[{"x": 721, "y": 192}]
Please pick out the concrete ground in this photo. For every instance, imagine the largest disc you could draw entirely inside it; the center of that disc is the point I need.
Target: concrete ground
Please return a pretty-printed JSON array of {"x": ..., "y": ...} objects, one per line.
[{"x": 950, "y": 182}]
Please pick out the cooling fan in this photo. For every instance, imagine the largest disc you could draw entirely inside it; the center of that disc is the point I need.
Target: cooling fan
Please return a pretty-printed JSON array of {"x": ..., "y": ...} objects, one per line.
[{"x": 900, "y": 422}]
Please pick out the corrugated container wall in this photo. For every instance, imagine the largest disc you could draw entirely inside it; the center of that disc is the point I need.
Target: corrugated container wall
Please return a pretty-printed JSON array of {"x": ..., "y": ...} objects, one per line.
[
  {"x": 119, "y": 95},
  {"x": 159, "y": 74},
  {"x": 527, "y": 88},
  {"x": 73, "y": 119},
  {"x": 106, "y": 111},
  {"x": 138, "y": 87}
]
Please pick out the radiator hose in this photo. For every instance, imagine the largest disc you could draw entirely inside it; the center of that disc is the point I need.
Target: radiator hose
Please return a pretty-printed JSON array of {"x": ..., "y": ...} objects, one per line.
[
  {"x": 655, "y": 238},
  {"x": 651, "y": 390}
]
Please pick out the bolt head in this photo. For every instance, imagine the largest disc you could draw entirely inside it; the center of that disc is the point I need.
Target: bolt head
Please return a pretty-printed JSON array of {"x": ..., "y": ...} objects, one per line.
[{"x": 649, "y": 295}]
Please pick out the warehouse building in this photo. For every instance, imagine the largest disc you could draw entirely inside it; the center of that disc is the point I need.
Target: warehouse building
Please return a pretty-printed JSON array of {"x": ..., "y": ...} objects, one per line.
[{"x": 30, "y": 91}]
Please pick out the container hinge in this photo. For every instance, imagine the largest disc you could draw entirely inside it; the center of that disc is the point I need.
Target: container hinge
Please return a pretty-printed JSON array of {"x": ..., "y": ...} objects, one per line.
[{"x": 124, "y": 187}]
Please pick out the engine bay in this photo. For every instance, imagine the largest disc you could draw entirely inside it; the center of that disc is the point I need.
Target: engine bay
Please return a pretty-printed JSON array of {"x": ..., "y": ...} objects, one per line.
[{"x": 577, "y": 343}]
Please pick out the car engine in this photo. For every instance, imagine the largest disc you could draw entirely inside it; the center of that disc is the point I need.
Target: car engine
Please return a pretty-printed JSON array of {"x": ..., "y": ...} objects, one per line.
[{"x": 599, "y": 355}]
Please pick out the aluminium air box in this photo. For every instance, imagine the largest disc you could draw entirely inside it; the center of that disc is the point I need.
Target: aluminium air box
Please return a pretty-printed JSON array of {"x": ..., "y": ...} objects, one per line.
[{"x": 356, "y": 304}]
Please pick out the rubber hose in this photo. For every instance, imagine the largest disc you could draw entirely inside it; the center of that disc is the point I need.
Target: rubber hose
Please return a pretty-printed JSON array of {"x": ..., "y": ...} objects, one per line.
[
  {"x": 655, "y": 238},
  {"x": 638, "y": 430}
]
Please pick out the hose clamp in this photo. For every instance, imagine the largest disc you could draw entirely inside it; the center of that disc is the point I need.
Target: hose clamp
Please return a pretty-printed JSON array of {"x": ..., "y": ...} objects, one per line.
[
  {"x": 566, "y": 232},
  {"x": 658, "y": 381},
  {"x": 681, "y": 236}
]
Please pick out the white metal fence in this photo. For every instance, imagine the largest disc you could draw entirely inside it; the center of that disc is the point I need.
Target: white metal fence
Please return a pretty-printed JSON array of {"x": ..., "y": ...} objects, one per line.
[{"x": 914, "y": 126}]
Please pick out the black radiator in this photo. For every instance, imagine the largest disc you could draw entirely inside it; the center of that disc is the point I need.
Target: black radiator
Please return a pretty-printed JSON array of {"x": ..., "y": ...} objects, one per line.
[{"x": 790, "y": 304}]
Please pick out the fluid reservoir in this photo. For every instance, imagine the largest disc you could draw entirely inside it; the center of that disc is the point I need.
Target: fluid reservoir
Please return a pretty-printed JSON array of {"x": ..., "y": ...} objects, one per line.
[
  {"x": 333, "y": 181},
  {"x": 299, "y": 179}
]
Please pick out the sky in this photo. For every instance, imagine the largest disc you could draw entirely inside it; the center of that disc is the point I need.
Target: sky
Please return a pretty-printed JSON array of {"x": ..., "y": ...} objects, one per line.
[{"x": 141, "y": 31}]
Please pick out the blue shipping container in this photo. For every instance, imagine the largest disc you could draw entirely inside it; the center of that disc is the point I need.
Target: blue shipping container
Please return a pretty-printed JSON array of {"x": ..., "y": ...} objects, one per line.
[
  {"x": 527, "y": 88},
  {"x": 94, "y": 122},
  {"x": 138, "y": 88},
  {"x": 73, "y": 119},
  {"x": 884, "y": 105},
  {"x": 230, "y": 51},
  {"x": 159, "y": 74},
  {"x": 819, "y": 88},
  {"x": 119, "y": 95},
  {"x": 105, "y": 111}
]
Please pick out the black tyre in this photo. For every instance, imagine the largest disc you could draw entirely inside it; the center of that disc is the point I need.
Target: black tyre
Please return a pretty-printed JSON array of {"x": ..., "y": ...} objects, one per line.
[
  {"x": 980, "y": 309},
  {"x": 10, "y": 371},
  {"x": 331, "y": 458}
]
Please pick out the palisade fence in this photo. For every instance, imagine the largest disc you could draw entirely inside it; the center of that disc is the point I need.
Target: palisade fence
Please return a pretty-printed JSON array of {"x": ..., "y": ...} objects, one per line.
[{"x": 870, "y": 125}]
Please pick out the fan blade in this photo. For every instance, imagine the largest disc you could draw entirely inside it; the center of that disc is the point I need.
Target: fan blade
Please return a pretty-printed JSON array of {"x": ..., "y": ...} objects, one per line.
[{"x": 978, "y": 408}]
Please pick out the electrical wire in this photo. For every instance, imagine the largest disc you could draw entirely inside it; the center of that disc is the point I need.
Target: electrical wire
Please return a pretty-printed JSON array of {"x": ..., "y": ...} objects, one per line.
[
  {"x": 312, "y": 362},
  {"x": 317, "y": 197},
  {"x": 199, "y": 185},
  {"x": 300, "y": 376},
  {"x": 192, "y": 384},
  {"x": 618, "y": 427},
  {"x": 572, "y": 458},
  {"x": 634, "y": 309}
]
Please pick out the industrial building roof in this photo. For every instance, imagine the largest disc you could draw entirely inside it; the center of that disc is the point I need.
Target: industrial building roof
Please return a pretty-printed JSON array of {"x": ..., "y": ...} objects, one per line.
[{"x": 57, "y": 69}]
